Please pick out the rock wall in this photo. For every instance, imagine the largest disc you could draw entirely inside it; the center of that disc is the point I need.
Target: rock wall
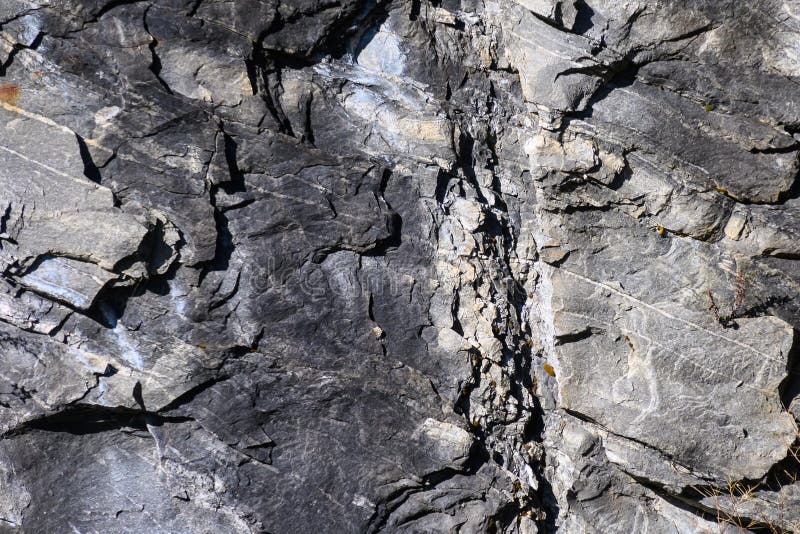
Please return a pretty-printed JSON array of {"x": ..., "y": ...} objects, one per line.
[{"x": 507, "y": 266}]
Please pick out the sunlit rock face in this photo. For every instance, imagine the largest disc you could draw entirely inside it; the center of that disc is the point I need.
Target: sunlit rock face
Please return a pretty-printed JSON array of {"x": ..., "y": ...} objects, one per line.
[{"x": 464, "y": 266}]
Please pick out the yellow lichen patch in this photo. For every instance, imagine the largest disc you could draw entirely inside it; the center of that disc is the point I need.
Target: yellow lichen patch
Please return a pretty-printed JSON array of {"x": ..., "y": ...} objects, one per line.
[
  {"x": 9, "y": 93},
  {"x": 549, "y": 369},
  {"x": 720, "y": 190},
  {"x": 630, "y": 343}
]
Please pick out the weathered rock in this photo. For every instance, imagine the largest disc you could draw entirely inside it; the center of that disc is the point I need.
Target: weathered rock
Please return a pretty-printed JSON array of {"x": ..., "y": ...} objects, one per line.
[
  {"x": 483, "y": 266},
  {"x": 637, "y": 368}
]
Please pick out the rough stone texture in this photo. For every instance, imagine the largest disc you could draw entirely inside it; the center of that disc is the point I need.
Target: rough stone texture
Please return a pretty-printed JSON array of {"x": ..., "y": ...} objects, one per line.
[{"x": 423, "y": 266}]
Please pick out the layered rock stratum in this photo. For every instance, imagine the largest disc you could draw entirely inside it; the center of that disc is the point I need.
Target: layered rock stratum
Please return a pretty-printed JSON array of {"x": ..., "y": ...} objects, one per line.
[{"x": 513, "y": 266}]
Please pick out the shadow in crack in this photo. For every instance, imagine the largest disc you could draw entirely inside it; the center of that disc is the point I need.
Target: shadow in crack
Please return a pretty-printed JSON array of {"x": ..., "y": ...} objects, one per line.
[
  {"x": 790, "y": 387},
  {"x": 90, "y": 170},
  {"x": 110, "y": 304},
  {"x": 583, "y": 18},
  {"x": 86, "y": 419},
  {"x": 534, "y": 431},
  {"x": 236, "y": 182}
]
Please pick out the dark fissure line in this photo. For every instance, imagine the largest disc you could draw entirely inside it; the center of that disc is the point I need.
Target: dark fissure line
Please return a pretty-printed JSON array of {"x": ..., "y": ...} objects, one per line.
[{"x": 90, "y": 170}]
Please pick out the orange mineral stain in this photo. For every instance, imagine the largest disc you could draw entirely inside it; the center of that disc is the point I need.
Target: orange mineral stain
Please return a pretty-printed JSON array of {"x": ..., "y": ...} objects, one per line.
[{"x": 9, "y": 93}]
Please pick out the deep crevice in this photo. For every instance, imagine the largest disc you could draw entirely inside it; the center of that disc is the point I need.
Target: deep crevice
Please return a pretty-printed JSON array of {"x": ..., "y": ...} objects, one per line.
[
  {"x": 575, "y": 337},
  {"x": 583, "y": 18},
  {"x": 190, "y": 395},
  {"x": 622, "y": 74},
  {"x": 308, "y": 130},
  {"x": 90, "y": 170},
  {"x": 236, "y": 182},
  {"x": 416, "y": 6},
  {"x": 16, "y": 48},
  {"x": 83, "y": 419},
  {"x": 193, "y": 9},
  {"x": 392, "y": 220},
  {"x": 4, "y": 218},
  {"x": 155, "y": 62},
  {"x": 776, "y": 150},
  {"x": 442, "y": 182},
  {"x": 789, "y": 389}
]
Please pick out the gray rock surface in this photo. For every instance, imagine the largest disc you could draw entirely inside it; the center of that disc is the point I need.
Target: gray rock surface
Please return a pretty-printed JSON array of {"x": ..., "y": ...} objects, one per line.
[{"x": 518, "y": 266}]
